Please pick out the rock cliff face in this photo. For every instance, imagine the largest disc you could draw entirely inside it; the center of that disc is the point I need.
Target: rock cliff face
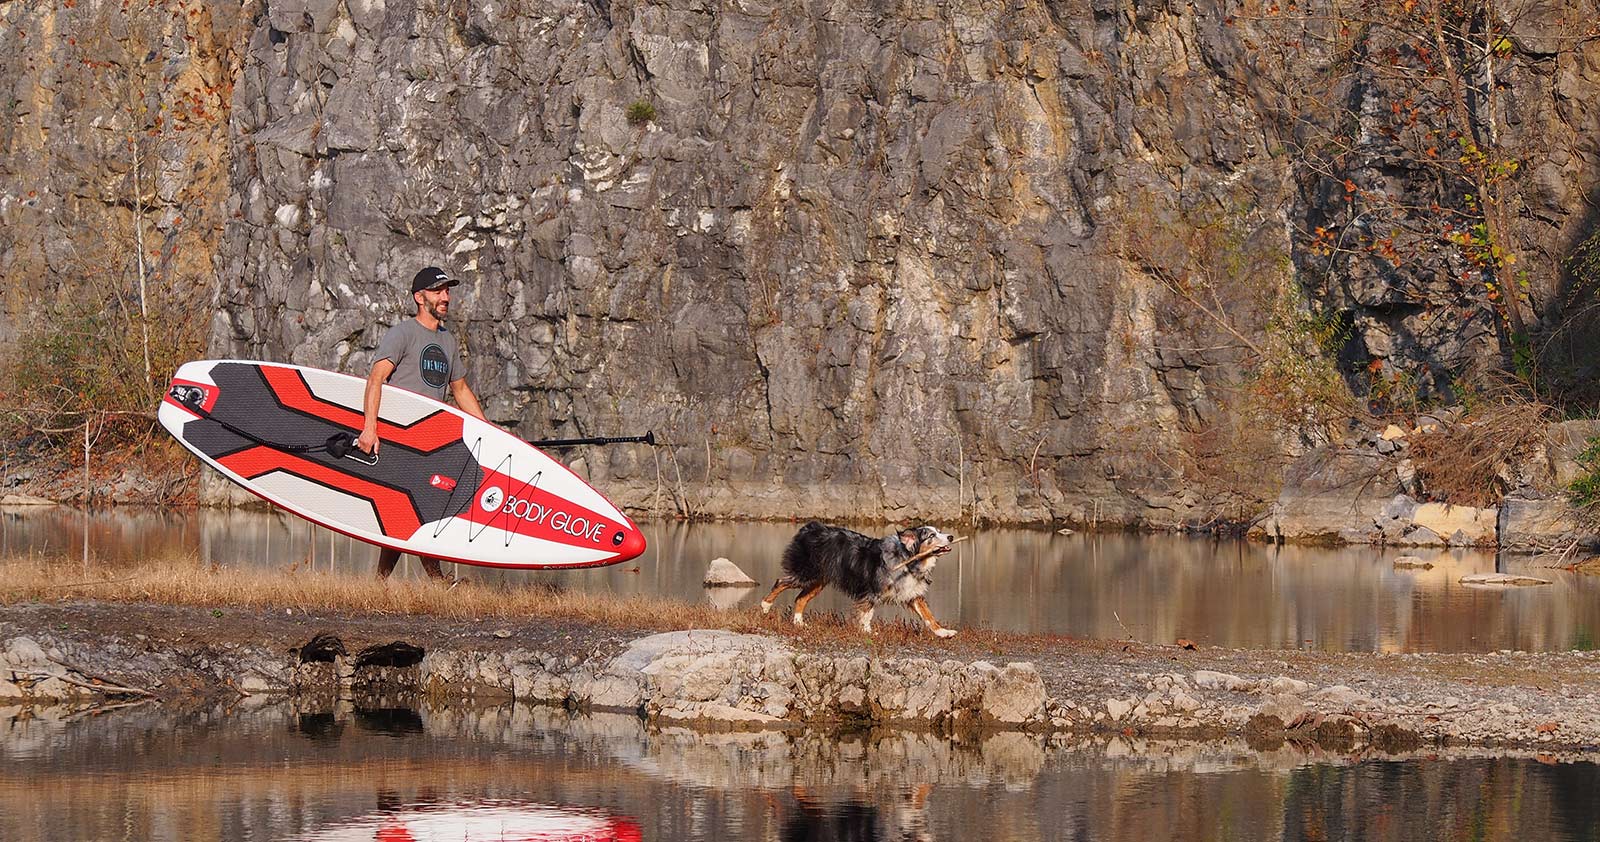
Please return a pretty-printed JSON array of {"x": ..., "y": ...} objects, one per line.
[
  {"x": 111, "y": 113},
  {"x": 914, "y": 259},
  {"x": 849, "y": 260}
]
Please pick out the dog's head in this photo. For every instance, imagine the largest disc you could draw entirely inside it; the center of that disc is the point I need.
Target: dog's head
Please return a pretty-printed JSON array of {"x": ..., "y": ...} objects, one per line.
[{"x": 923, "y": 538}]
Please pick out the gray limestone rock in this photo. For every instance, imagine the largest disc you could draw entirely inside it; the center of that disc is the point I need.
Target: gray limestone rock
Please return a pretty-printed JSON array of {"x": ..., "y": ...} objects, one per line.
[
  {"x": 723, "y": 573},
  {"x": 1534, "y": 523},
  {"x": 1210, "y": 680}
]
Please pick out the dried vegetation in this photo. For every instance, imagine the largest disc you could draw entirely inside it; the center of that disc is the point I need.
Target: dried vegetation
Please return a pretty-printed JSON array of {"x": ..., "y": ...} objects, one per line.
[{"x": 1473, "y": 463}]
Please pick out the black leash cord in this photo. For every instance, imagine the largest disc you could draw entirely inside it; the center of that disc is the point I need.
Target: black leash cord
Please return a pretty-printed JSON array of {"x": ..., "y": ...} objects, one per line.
[{"x": 337, "y": 444}]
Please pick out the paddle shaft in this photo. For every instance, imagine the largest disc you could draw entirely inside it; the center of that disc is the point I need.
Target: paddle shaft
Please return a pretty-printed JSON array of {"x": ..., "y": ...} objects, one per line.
[{"x": 647, "y": 438}]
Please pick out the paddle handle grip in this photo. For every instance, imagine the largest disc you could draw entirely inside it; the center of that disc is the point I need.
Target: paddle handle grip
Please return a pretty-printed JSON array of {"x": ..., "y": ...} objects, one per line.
[{"x": 647, "y": 438}]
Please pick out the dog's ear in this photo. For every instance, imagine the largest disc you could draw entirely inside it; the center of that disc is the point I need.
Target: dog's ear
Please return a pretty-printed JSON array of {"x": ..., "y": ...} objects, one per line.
[{"x": 909, "y": 540}]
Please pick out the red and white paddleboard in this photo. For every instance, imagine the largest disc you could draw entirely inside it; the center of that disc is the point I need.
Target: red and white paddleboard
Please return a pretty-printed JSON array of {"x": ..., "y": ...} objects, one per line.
[{"x": 444, "y": 484}]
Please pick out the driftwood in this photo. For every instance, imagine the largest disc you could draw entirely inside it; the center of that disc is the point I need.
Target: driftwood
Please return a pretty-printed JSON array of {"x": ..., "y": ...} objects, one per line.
[
  {"x": 110, "y": 689},
  {"x": 926, "y": 554}
]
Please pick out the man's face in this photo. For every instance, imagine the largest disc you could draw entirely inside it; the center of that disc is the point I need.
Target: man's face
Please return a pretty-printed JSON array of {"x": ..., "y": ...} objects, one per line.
[{"x": 436, "y": 302}]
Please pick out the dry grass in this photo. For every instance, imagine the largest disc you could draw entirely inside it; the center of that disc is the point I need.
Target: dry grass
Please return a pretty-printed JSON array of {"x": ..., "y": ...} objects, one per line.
[
  {"x": 1470, "y": 463},
  {"x": 187, "y": 581}
]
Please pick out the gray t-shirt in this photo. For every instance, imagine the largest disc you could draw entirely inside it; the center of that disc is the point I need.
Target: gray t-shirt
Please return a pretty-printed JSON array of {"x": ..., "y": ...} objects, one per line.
[{"x": 425, "y": 361}]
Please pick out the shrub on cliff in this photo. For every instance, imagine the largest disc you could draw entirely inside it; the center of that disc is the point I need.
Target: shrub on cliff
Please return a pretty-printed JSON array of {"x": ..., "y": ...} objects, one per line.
[{"x": 641, "y": 112}]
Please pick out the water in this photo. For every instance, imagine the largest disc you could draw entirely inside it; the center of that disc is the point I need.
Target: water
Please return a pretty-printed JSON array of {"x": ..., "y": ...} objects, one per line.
[
  {"x": 1155, "y": 588},
  {"x": 277, "y": 773}
]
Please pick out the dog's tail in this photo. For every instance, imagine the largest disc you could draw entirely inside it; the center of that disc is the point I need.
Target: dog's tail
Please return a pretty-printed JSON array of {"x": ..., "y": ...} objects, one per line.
[{"x": 797, "y": 556}]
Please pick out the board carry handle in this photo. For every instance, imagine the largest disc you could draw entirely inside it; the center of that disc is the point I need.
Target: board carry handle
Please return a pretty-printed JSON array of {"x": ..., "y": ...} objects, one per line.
[
  {"x": 343, "y": 446},
  {"x": 648, "y": 438}
]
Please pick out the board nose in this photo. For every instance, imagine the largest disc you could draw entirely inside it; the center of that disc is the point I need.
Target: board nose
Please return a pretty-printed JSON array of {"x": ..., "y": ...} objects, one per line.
[{"x": 631, "y": 543}]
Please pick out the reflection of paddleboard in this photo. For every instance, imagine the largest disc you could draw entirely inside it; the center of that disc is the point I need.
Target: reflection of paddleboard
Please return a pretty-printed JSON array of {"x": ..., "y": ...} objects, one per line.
[
  {"x": 443, "y": 484},
  {"x": 481, "y": 823}
]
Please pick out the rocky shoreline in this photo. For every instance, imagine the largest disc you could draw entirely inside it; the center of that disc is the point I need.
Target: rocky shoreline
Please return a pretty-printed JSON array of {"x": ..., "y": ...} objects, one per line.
[{"x": 718, "y": 680}]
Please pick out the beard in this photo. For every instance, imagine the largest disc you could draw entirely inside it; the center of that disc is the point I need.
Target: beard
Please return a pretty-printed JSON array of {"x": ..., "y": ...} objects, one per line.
[{"x": 438, "y": 309}]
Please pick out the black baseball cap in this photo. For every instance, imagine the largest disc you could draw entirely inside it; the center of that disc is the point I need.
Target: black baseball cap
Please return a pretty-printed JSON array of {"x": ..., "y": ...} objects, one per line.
[{"x": 432, "y": 278}]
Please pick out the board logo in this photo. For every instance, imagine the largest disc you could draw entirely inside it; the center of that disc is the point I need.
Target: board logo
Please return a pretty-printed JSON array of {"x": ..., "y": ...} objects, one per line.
[
  {"x": 434, "y": 366},
  {"x": 442, "y": 482},
  {"x": 191, "y": 395},
  {"x": 491, "y": 498}
]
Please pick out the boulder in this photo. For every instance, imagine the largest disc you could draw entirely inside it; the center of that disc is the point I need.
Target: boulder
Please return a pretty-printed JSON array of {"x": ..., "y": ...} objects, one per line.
[
  {"x": 1013, "y": 694},
  {"x": 1564, "y": 442},
  {"x": 1461, "y": 525},
  {"x": 1534, "y": 523},
  {"x": 1332, "y": 494},
  {"x": 725, "y": 574},
  {"x": 1283, "y": 685},
  {"x": 1222, "y": 681}
]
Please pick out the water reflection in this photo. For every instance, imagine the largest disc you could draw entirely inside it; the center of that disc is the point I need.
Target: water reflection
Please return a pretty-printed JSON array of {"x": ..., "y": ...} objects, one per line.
[
  {"x": 1155, "y": 588},
  {"x": 479, "y": 822},
  {"x": 158, "y": 774}
]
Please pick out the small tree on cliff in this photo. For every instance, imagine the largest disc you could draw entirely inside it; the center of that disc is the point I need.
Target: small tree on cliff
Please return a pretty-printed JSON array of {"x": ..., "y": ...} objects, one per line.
[{"x": 1402, "y": 127}]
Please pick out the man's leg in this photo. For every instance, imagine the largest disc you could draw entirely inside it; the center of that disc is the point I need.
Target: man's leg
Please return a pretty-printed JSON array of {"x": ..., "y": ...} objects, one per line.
[
  {"x": 431, "y": 566},
  {"x": 387, "y": 559}
]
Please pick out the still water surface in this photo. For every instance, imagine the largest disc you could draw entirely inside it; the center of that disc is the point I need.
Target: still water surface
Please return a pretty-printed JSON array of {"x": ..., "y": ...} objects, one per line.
[
  {"x": 1155, "y": 588},
  {"x": 521, "y": 773}
]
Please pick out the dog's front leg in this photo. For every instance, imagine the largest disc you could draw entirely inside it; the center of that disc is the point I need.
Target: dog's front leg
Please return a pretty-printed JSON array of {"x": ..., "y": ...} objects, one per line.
[
  {"x": 783, "y": 584},
  {"x": 864, "y": 614},
  {"x": 921, "y": 606},
  {"x": 804, "y": 598}
]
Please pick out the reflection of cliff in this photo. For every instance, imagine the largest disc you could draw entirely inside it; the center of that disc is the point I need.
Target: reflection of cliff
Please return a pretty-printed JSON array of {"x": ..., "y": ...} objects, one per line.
[{"x": 159, "y": 774}]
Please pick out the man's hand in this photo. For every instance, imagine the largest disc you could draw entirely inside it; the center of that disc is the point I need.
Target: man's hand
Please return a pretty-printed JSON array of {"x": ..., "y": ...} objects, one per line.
[{"x": 368, "y": 441}]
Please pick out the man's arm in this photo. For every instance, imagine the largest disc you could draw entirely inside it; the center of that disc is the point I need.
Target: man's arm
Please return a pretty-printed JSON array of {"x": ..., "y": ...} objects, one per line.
[
  {"x": 466, "y": 399},
  {"x": 368, "y": 441}
]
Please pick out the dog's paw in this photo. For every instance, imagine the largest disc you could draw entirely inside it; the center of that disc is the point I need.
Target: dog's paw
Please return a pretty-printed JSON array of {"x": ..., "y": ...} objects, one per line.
[
  {"x": 799, "y": 620},
  {"x": 766, "y": 608},
  {"x": 946, "y": 632}
]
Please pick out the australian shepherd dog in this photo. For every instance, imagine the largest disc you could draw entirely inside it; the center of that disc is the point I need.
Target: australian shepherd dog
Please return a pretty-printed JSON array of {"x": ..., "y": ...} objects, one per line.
[{"x": 893, "y": 569}]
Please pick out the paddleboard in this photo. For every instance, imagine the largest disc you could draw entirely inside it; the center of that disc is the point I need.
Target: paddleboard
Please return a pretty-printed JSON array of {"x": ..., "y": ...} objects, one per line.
[{"x": 443, "y": 484}]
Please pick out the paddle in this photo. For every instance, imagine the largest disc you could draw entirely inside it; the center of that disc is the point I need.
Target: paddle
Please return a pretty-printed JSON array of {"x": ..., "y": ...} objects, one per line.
[{"x": 648, "y": 438}]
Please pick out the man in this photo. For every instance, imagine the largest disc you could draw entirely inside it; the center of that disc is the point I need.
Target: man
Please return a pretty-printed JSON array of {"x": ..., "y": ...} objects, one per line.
[{"x": 422, "y": 356}]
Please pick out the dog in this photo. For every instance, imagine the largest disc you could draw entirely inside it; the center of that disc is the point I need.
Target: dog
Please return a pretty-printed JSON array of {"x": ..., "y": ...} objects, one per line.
[{"x": 872, "y": 571}]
